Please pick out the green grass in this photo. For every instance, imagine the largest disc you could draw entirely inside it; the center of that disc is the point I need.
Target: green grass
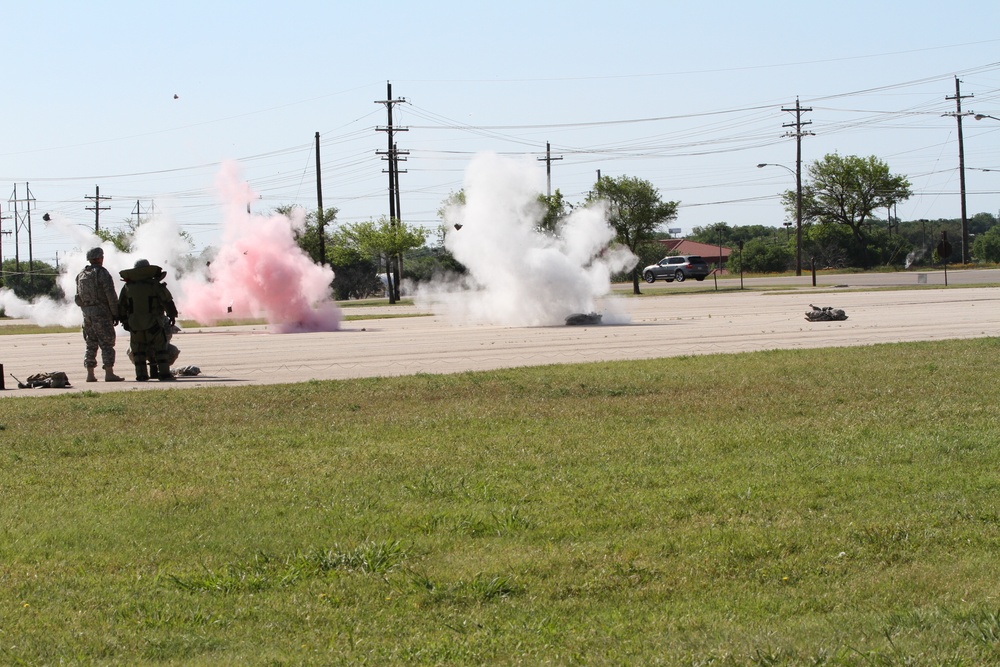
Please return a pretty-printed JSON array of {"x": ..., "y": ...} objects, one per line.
[
  {"x": 821, "y": 507},
  {"x": 21, "y": 329},
  {"x": 363, "y": 303}
]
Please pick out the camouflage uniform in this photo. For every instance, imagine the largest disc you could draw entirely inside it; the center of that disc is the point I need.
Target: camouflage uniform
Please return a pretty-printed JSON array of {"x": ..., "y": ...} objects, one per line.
[
  {"x": 143, "y": 305},
  {"x": 95, "y": 294}
]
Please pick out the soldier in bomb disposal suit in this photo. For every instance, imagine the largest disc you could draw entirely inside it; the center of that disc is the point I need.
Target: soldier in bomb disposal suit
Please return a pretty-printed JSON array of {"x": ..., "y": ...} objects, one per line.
[
  {"x": 146, "y": 309},
  {"x": 95, "y": 294}
]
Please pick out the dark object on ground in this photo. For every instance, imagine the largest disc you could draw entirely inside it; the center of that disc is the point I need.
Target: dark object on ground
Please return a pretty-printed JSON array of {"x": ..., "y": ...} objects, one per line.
[
  {"x": 583, "y": 318},
  {"x": 826, "y": 314},
  {"x": 187, "y": 371},
  {"x": 53, "y": 380}
]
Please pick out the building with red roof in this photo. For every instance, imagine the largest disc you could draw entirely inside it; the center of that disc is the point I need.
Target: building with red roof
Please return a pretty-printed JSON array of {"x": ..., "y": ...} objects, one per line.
[{"x": 708, "y": 252}]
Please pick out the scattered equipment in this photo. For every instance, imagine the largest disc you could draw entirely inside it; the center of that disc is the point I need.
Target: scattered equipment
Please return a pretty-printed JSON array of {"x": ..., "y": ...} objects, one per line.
[
  {"x": 578, "y": 319},
  {"x": 826, "y": 314},
  {"x": 53, "y": 380}
]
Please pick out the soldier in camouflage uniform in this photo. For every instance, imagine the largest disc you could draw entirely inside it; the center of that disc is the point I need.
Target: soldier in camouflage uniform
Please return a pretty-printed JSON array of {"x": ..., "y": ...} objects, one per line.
[
  {"x": 146, "y": 308},
  {"x": 95, "y": 294}
]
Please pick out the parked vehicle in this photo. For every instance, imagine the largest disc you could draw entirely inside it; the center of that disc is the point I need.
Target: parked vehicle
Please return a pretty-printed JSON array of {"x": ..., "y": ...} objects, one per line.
[{"x": 679, "y": 268}]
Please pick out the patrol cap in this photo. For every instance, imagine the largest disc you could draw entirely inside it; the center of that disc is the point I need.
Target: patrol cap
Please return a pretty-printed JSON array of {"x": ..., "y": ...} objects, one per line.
[{"x": 95, "y": 253}]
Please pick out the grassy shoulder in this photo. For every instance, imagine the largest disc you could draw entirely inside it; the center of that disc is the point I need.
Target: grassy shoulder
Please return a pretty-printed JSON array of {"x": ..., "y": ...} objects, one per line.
[{"x": 785, "y": 507}]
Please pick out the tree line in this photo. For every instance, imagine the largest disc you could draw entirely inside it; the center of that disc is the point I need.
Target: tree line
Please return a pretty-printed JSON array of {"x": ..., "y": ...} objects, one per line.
[{"x": 847, "y": 223}]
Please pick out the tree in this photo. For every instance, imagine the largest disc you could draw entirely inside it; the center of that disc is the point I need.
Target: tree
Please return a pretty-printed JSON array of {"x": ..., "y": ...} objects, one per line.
[
  {"x": 120, "y": 238},
  {"x": 846, "y": 191},
  {"x": 384, "y": 240},
  {"x": 635, "y": 212},
  {"x": 308, "y": 238},
  {"x": 426, "y": 263},
  {"x": 556, "y": 208},
  {"x": 828, "y": 246},
  {"x": 986, "y": 247},
  {"x": 733, "y": 235},
  {"x": 27, "y": 284},
  {"x": 760, "y": 256},
  {"x": 981, "y": 223},
  {"x": 355, "y": 274}
]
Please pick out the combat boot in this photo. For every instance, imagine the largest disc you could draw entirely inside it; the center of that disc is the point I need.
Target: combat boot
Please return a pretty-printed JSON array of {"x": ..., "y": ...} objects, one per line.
[
  {"x": 109, "y": 375},
  {"x": 91, "y": 375},
  {"x": 164, "y": 373},
  {"x": 140, "y": 372}
]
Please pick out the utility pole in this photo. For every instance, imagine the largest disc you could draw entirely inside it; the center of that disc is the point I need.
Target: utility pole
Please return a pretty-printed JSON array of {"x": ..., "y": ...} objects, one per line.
[
  {"x": 398, "y": 156},
  {"x": 394, "y": 172},
  {"x": 798, "y": 134},
  {"x": 320, "y": 222},
  {"x": 548, "y": 168},
  {"x": 392, "y": 156},
  {"x": 2, "y": 234},
  {"x": 137, "y": 211},
  {"x": 22, "y": 220},
  {"x": 97, "y": 208},
  {"x": 961, "y": 164}
]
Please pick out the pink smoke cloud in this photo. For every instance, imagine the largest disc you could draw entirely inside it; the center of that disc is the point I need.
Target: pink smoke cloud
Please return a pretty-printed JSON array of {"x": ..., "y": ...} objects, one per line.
[{"x": 259, "y": 271}]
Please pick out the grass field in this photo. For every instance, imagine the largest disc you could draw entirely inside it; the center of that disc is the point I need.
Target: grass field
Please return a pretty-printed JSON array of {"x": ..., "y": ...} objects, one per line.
[{"x": 824, "y": 507}]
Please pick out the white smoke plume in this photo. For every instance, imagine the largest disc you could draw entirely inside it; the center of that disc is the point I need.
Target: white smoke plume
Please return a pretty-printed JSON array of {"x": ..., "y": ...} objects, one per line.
[
  {"x": 913, "y": 256},
  {"x": 159, "y": 241},
  {"x": 518, "y": 275}
]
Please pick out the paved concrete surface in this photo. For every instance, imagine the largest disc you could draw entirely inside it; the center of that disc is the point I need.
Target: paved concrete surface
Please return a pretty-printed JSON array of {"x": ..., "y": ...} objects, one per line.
[{"x": 661, "y": 326}]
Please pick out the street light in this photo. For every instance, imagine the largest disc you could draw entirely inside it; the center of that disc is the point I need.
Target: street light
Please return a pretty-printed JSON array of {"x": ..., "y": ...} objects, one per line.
[
  {"x": 798, "y": 212},
  {"x": 980, "y": 116},
  {"x": 719, "y": 227}
]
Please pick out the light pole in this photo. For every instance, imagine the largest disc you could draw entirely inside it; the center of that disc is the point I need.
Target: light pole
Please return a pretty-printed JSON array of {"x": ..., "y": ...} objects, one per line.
[
  {"x": 718, "y": 228},
  {"x": 798, "y": 212}
]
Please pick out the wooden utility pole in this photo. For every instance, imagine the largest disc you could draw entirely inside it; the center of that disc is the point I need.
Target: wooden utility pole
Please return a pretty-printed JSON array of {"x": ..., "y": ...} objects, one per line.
[
  {"x": 961, "y": 165},
  {"x": 97, "y": 208},
  {"x": 548, "y": 168},
  {"x": 2, "y": 234},
  {"x": 391, "y": 154},
  {"x": 320, "y": 222},
  {"x": 397, "y": 157},
  {"x": 798, "y": 134}
]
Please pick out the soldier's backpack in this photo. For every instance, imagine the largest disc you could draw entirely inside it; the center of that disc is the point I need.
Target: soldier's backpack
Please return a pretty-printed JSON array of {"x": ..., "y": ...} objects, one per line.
[
  {"x": 54, "y": 380},
  {"x": 87, "y": 288}
]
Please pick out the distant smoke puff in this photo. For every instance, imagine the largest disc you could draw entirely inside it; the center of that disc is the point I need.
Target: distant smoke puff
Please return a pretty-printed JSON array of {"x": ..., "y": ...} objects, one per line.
[
  {"x": 158, "y": 240},
  {"x": 260, "y": 271},
  {"x": 519, "y": 276}
]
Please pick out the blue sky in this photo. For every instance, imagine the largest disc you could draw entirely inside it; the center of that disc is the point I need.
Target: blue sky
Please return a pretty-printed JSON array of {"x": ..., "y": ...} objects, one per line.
[{"x": 685, "y": 95}]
